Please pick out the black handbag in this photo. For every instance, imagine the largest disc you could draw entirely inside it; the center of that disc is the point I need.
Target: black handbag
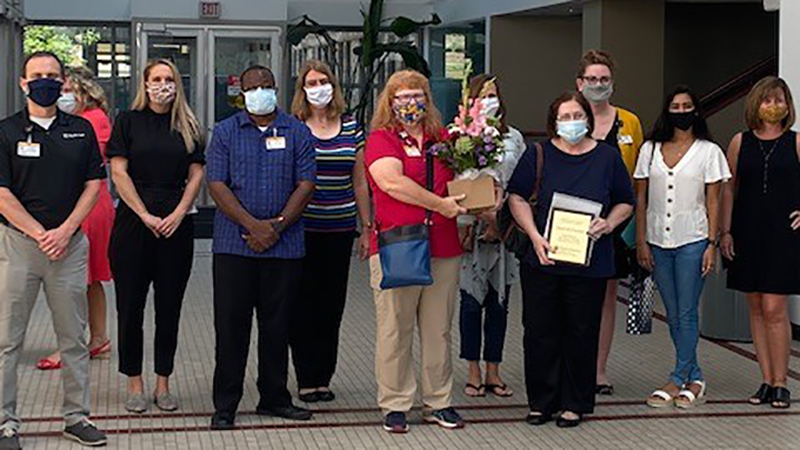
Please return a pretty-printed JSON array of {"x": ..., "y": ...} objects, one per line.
[
  {"x": 405, "y": 251},
  {"x": 514, "y": 238},
  {"x": 641, "y": 301}
]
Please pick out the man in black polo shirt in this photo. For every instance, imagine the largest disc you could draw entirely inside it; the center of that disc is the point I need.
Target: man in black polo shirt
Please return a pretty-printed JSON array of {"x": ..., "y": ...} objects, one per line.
[{"x": 50, "y": 175}]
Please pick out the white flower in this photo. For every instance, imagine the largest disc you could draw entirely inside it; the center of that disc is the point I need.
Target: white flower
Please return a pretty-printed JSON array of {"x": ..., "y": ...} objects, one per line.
[
  {"x": 491, "y": 131},
  {"x": 499, "y": 157}
]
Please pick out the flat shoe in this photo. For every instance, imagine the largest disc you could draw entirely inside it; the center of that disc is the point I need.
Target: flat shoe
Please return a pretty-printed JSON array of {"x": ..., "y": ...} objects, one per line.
[
  {"x": 561, "y": 422},
  {"x": 763, "y": 396},
  {"x": 604, "y": 389},
  {"x": 326, "y": 396},
  {"x": 166, "y": 402},
  {"x": 309, "y": 397},
  {"x": 137, "y": 403},
  {"x": 537, "y": 419},
  {"x": 480, "y": 391},
  {"x": 500, "y": 390},
  {"x": 101, "y": 352},
  {"x": 48, "y": 364},
  {"x": 781, "y": 398}
]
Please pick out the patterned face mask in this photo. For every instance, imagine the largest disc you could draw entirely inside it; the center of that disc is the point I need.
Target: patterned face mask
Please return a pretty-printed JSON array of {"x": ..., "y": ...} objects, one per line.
[
  {"x": 773, "y": 113},
  {"x": 161, "y": 93},
  {"x": 410, "y": 113}
]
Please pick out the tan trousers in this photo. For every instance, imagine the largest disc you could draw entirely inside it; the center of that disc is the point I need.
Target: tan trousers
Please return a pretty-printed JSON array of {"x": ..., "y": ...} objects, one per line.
[{"x": 397, "y": 310}]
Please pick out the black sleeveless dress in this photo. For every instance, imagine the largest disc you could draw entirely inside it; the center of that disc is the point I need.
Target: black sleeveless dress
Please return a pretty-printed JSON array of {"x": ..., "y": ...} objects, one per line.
[{"x": 767, "y": 250}]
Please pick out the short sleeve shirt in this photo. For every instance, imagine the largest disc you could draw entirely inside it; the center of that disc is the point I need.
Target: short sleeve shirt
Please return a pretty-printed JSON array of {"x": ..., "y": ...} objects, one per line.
[
  {"x": 262, "y": 169},
  {"x": 599, "y": 175},
  {"x": 390, "y": 212},
  {"x": 49, "y": 179},
  {"x": 676, "y": 199}
]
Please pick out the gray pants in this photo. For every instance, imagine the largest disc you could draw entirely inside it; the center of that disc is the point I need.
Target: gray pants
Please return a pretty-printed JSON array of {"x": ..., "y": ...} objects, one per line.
[{"x": 23, "y": 269}]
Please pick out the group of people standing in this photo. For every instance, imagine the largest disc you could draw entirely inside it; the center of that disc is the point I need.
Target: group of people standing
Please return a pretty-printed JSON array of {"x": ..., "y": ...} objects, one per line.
[{"x": 291, "y": 190}]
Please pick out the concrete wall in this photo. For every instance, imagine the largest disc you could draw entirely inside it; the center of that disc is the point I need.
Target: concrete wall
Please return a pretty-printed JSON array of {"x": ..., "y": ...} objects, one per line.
[
  {"x": 535, "y": 60},
  {"x": 707, "y": 44},
  {"x": 348, "y": 13},
  {"x": 468, "y": 10},
  {"x": 726, "y": 123}
]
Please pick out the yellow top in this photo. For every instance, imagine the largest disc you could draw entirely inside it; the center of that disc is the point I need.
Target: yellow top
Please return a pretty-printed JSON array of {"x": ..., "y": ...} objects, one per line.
[{"x": 630, "y": 138}]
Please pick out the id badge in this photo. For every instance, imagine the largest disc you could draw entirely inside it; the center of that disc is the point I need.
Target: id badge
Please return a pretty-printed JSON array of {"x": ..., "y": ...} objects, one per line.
[
  {"x": 29, "y": 149},
  {"x": 276, "y": 143},
  {"x": 625, "y": 139},
  {"x": 412, "y": 151}
]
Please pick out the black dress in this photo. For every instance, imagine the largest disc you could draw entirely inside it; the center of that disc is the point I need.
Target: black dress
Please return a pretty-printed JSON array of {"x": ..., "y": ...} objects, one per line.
[
  {"x": 624, "y": 257},
  {"x": 767, "y": 191}
]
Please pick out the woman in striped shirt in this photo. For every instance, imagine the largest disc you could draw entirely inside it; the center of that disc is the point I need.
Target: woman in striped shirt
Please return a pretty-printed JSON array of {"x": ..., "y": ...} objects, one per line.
[{"x": 330, "y": 225}]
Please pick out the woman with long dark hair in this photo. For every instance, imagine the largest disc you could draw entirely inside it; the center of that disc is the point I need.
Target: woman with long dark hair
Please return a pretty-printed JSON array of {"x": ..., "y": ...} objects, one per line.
[{"x": 678, "y": 179}]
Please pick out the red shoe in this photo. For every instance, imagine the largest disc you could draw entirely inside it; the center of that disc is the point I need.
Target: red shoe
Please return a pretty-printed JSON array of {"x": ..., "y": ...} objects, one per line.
[
  {"x": 48, "y": 364},
  {"x": 101, "y": 352}
]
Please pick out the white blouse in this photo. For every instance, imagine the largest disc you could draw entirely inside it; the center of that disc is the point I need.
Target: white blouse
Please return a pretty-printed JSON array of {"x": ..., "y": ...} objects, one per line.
[{"x": 676, "y": 202}]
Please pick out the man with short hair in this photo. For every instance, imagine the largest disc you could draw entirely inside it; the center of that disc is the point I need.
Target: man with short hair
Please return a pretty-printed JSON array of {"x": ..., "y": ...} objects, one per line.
[
  {"x": 50, "y": 175},
  {"x": 261, "y": 172}
]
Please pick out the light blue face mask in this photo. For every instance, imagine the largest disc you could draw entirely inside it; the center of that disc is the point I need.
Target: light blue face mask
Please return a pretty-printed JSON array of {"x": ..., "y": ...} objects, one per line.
[
  {"x": 572, "y": 131},
  {"x": 260, "y": 101}
]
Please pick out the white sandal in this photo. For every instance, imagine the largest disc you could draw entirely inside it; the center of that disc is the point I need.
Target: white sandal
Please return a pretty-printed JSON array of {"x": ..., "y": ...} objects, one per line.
[
  {"x": 691, "y": 399},
  {"x": 659, "y": 399}
]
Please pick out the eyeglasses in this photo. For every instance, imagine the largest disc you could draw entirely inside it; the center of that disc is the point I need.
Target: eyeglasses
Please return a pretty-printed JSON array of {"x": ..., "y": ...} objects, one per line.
[
  {"x": 596, "y": 80},
  {"x": 571, "y": 117},
  {"x": 408, "y": 98}
]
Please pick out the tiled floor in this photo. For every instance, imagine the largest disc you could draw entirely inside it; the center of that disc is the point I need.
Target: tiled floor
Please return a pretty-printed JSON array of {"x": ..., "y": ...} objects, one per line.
[{"x": 638, "y": 365}]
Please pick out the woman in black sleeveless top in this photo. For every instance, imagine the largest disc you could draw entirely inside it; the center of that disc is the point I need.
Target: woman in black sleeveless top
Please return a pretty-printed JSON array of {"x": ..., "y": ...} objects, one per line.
[{"x": 761, "y": 216}]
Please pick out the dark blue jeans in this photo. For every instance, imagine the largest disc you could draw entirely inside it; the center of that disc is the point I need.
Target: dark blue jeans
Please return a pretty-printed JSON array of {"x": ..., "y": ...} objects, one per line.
[{"x": 494, "y": 326}]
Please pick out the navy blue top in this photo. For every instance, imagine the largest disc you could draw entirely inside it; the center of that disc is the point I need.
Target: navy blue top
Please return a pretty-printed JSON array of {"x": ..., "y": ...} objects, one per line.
[
  {"x": 599, "y": 175},
  {"x": 261, "y": 178}
]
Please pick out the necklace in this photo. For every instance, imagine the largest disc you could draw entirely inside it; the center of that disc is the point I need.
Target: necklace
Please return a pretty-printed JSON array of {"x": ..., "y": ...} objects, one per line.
[{"x": 767, "y": 154}]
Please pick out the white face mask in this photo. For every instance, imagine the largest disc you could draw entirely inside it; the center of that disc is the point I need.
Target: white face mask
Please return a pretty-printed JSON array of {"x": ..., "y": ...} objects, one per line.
[
  {"x": 319, "y": 96},
  {"x": 490, "y": 106},
  {"x": 260, "y": 101},
  {"x": 68, "y": 103}
]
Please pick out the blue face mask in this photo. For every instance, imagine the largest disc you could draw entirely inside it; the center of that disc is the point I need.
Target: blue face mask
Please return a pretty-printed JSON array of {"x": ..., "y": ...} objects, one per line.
[
  {"x": 260, "y": 101},
  {"x": 44, "y": 91},
  {"x": 572, "y": 131}
]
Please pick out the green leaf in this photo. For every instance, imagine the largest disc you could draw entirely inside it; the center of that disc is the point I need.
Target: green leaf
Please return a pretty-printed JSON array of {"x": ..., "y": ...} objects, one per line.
[
  {"x": 410, "y": 54},
  {"x": 403, "y": 26}
]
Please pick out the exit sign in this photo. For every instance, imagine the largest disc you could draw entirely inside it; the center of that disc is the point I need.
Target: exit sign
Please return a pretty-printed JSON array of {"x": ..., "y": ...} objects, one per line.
[{"x": 210, "y": 10}]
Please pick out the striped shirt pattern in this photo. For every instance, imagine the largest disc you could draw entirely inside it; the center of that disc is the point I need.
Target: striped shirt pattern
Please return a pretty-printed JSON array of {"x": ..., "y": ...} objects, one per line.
[{"x": 333, "y": 208}]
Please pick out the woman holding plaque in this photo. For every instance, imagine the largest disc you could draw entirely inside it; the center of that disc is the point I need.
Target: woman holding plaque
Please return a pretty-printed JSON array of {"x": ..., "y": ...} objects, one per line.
[
  {"x": 678, "y": 180},
  {"x": 760, "y": 222},
  {"x": 563, "y": 288}
]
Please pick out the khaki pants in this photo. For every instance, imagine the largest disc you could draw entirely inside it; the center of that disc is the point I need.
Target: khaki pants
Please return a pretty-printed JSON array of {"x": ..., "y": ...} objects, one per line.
[
  {"x": 397, "y": 311},
  {"x": 23, "y": 270}
]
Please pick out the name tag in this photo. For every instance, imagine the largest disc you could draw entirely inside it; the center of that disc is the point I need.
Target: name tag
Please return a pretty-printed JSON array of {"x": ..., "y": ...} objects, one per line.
[
  {"x": 625, "y": 139},
  {"x": 412, "y": 151},
  {"x": 74, "y": 135},
  {"x": 276, "y": 143},
  {"x": 29, "y": 149}
]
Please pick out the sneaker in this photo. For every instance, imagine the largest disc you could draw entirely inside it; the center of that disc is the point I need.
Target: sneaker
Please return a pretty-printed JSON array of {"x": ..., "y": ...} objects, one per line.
[
  {"x": 9, "y": 440},
  {"x": 85, "y": 433},
  {"x": 447, "y": 418},
  {"x": 395, "y": 422}
]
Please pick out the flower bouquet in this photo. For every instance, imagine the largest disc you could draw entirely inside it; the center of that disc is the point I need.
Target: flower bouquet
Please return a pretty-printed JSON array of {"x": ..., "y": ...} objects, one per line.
[{"x": 473, "y": 149}]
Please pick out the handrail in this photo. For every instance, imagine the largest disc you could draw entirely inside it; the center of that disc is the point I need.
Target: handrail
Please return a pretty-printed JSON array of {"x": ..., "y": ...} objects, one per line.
[{"x": 737, "y": 87}]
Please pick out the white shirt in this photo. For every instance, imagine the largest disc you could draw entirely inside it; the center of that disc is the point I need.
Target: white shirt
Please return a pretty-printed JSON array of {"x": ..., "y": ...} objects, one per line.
[
  {"x": 44, "y": 122},
  {"x": 676, "y": 202}
]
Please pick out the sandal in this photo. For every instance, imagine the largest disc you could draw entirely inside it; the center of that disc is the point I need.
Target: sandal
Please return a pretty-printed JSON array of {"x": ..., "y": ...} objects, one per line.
[
  {"x": 687, "y": 399},
  {"x": 500, "y": 390},
  {"x": 479, "y": 391},
  {"x": 659, "y": 399},
  {"x": 604, "y": 389},
  {"x": 48, "y": 364},
  {"x": 781, "y": 398},
  {"x": 762, "y": 396},
  {"x": 101, "y": 352}
]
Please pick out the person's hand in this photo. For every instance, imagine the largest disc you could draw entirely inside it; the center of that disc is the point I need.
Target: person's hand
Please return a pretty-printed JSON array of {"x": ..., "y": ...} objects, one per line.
[
  {"x": 541, "y": 247},
  {"x": 152, "y": 223},
  {"x": 645, "y": 257},
  {"x": 171, "y": 223},
  {"x": 599, "y": 227},
  {"x": 262, "y": 235},
  {"x": 465, "y": 237},
  {"x": 491, "y": 233},
  {"x": 450, "y": 208},
  {"x": 54, "y": 242},
  {"x": 795, "y": 218},
  {"x": 363, "y": 242},
  {"x": 709, "y": 259},
  {"x": 726, "y": 246}
]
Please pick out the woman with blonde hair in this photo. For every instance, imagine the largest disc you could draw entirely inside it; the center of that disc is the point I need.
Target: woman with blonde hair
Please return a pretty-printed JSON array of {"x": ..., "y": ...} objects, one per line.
[
  {"x": 760, "y": 219},
  {"x": 405, "y": 125},
  {"x": 157, "y": 159},
  {"x": 82, "y": 96},
  {"x": 340, "y": 196}
]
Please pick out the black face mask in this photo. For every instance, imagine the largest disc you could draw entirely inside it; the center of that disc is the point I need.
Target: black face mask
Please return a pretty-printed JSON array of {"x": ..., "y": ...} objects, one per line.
[
  {"x": 44, "y": 91},
  {"x": 682, "y": 121}
]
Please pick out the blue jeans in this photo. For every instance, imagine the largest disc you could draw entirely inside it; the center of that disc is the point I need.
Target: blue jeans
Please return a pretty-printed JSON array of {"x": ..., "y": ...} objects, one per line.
[
  {"x": 494, "y": 326},
  {"x": 678, "y": 276}
]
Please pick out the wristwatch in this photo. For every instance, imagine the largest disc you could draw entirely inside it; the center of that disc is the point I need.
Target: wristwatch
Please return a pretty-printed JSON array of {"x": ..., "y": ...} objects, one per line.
[{"x": 278, "y": 225}]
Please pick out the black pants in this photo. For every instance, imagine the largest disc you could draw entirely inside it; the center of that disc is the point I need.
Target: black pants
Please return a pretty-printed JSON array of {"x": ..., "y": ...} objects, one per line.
[
  {"x": 138, "y": 259},
  {"x": 561, "y": 317},
  {"x": 314, "y": 335},
  {"x": 242, "y": 284}
]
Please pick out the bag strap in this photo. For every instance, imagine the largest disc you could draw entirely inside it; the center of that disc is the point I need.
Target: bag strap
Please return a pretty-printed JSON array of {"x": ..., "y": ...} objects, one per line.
[
  {"x": 539, "y": 169},
  {"x": 428, "y": 181}
]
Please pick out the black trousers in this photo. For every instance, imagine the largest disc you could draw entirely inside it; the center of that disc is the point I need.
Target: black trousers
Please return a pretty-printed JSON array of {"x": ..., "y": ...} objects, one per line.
[
  {"x": 316, "y": 317},
  {"x": 561, "y": 316},
  {"x": 138, "y": 259},
  {"x": 242, "y": 284}
]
